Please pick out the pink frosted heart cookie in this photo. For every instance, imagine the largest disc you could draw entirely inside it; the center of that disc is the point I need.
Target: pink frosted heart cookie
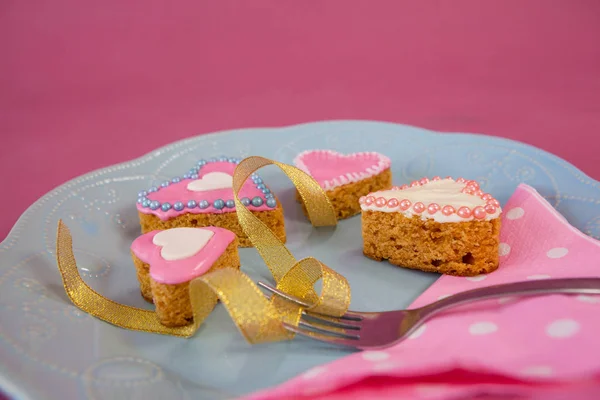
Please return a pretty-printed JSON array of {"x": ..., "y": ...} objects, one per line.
[
  {"x": 166, "y": 261},
  {"x": 440, "y": 225},
  {"x": 204, "y": 197},
  {"x": 346, "y": 177}
]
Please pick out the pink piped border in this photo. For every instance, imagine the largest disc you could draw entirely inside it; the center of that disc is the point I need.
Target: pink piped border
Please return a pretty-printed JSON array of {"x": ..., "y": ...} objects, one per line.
[
  {"x": 381, "y": 165},
  {"x": 471, "y": 188}
]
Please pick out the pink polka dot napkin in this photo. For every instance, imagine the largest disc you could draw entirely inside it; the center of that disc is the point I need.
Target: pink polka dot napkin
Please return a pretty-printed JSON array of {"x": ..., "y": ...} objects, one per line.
[{"x": 528, "y": 348}]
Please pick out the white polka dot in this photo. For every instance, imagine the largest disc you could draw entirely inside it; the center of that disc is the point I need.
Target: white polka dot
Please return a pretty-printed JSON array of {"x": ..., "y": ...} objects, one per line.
[
  {"x": 538, "y": 276},
  {"x": 562, "y": 328},
  {"x": 588, "y": 299},
  {"x": 313, "y": 373},
  {"x": 444, "y": 296},
  {"x": 375, "y": 355},
  {"x": 482, "y": 328},
  {"x": 503, "y": 249},
  {"x": 476, "y": 278},
  {"x": 386, "y": 366},
  {"x": 557, "y": 252},
  {"x": 418, "y": 332},
  {"x": 537, "y": 370},
  {"x": 515, "y": 213}
]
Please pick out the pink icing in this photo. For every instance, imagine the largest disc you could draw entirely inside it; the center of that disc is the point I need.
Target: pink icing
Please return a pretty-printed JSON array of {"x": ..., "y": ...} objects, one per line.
[
  {"x": 331, "y": 169},
  {"x": 179, "y": 192},
  {"x": 185, "y": 270}
]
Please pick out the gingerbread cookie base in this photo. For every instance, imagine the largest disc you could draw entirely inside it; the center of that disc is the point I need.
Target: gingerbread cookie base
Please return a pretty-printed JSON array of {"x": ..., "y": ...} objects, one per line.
[
  {"x": 272, "y": 218},
  {"x": 345, "y": 198},
  {"x": 172, "y": 302},
  {"x": 459, "y": 248}
]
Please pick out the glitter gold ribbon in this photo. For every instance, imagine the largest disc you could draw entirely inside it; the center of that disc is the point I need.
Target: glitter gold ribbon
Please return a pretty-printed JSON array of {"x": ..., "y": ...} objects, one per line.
[{"x": 259, "y": 319}]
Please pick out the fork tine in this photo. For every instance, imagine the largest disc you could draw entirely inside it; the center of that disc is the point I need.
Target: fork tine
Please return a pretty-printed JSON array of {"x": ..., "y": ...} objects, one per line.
[
  {"x": 349, "y": 316},
  {"x": 331, "y": 321},
  {"x": 321, "y": 337}
]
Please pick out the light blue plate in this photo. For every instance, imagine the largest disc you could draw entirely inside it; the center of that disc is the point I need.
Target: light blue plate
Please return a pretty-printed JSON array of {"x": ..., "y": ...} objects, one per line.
[{"x": 50, "y": 349}]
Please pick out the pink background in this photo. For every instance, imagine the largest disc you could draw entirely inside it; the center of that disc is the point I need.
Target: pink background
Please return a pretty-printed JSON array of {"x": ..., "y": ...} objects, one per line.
[{"x": 84, "y": 84}]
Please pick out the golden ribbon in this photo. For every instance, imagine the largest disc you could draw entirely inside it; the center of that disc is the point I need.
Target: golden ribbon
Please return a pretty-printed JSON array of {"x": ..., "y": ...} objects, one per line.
[{"x": 259, "y": 319}]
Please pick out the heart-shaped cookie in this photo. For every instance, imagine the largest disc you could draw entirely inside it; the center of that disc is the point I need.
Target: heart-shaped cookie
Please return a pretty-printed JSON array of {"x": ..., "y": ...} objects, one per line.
[
  {"x": 181, "y": 243},
  {"x": 211, "y": 181},
  {"x": 332, "y": 169}
]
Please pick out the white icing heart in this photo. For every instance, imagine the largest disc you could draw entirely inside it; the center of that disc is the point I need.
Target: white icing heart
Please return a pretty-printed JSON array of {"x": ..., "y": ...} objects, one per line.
[
  {"x": 211, "y": 181},
  {"x": 181, "y": 243}
]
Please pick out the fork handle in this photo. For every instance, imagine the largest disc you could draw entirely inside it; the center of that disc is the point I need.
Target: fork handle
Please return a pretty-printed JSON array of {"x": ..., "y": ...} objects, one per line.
[{"x": 526, "y": 288}]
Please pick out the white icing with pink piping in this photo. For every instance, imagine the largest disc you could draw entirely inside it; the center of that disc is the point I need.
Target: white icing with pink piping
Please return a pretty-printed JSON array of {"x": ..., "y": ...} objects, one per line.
[
  {"x": 332, "y": 169},
  {"x": 443, "y": 200}
]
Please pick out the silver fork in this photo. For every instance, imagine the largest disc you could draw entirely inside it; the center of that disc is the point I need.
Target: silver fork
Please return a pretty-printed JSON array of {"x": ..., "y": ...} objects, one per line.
[{"x": 377, "y": 330}]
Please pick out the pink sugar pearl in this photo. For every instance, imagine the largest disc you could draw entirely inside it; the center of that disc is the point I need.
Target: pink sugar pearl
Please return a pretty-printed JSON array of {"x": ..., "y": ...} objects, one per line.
[
  {"x": 468, "y": 190},
  {"x": 494, "y": 202},
  {"x": 419, "y": 207},
  {"x": 433, "y": 208},
  {"x": 486, "y": 196},
  {"x": 479, "y": 212},
  {"x": 490, "y": 209},
  {"x": 448, "y": 210},
  {"x": 424, "y": 181},
  {"x": 380, "y": 202},
  {"x": 361, "y": 200},
  {"x": 405, "y": 204},
  {"x": 436, "y": 178},
  {"x": 404, "y": 187},
  {"x": 464, "y": 212},
  {"x": 415, "y": 183},
  {"x": 473, "y": 184},
  {"x": 393, "y": 203},
  {"x": 369, "y": 200},
  {"x": 461, "y": 180}
]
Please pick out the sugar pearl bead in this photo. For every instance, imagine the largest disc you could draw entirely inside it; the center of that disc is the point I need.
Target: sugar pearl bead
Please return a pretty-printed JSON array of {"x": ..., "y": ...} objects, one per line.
[
  {"x": 230, "y": 204},
  {"x": 203, "y": 204},
  {"x": 479, "y": 212},
  {"x": 415, "y": 183},
  {"x": 165, "y": 184},
  {"x": 393, "y": 203},
  {"x": 245, "y": 201},
  {"x": 461, "y": 180},
  {"x": 146, "y": 203},
  {"x": 176, "y": 180},
  {"x": 433, "y": 208},
  {"x": 490, "y": 209},
  {"x": 380, "y": 202},
  {"x": 165, "y": 206},
  {"x": 486, "y": 196},
  {"x": 154, "y": 205},
  {"x": 192, "y": 204},
  {"x": 404, "y": 187},
  {"x": 142, "y": 193},
  {"x": 464, "y": 212},
  {"x": 405, "y": 204},
  {"x": 369, "y": 200},
  {"x": 473, "y": 184},
  {"x": 261, "y": 186},
  {"x": 419, "y": 207},
  {"x": 219, "y": 204},
  {"x": 436, "y": 178},
  {"x": 153, "y": 189},
  {"x": 468, "y": 190},
  {"x": 271, "y": 203},
  {"x": 448, "y": 210},
  {"x": 257, "y": 201},
  {"x": 269, "y": 196},
  {"x": 424, "y": 181},
  {"x": 494, "y": 202},
  {"x": 361, "y": 200},
  {"x": 178, "y": 206}
]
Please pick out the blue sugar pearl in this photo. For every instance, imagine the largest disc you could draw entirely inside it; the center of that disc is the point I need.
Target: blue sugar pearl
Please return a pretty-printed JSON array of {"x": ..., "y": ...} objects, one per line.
[
  {"x": 219, "y": 204},
  {"x": 245, "y": 201},
  {"x": 154, "y": 205},
  {"x": 203, "y": 204},
  {"x": 176, "y": 180},
  {"x": 178, "y": 206},
  {"x": 222, "y": 159},
  {"x": 258, "y": 181},
  {"x": 153, "y": 189},
  {"x": 261, "y": 186},
  {"x": 271, "y": 203},
  {"x": 142, "y": 193},
  {"x": 194, "y": 176},
  {"x": 266, "y": 190},
  {"x": 165, "y": 207},
  {"x": 212, "y": 159},
  {"x": 192, "y": 204},
  {"x": 140, "y": 200},
  {"x": 230, "y": 204},
  {"x": 186, "y": 175},
  {"x": 231, "y": 160},
  {"x": 146, "y": 203},
  {"x": 201, "y": 163},
  {"x": 257, "y": 201},
  {"x": 165, "y": 184},
  {"x": 269, "y": 195}
]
